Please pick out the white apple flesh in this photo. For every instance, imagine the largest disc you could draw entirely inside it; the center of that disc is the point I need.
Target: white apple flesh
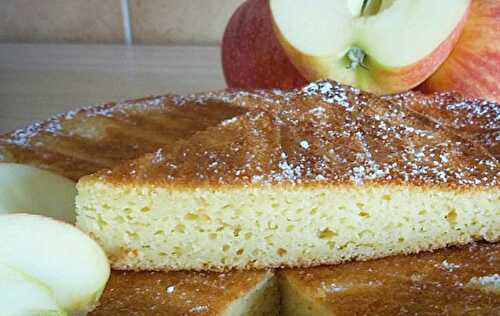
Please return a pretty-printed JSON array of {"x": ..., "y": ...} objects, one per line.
[
  {"x": 26, "y": 189},
  {"x": 59, "y": 255},
  {"x": 381, "y": 46},
  {"x": 24, "y": 296}
]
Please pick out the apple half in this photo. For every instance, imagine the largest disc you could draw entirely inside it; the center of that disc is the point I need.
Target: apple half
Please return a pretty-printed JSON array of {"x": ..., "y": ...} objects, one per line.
[
  {"x": 473, "y": 67},
  {"x": 26, "y": 189},
  {"x": 22, "y": 295},
  {"x": 380, "y": 46},
  {"x": 58, "y": 255}
]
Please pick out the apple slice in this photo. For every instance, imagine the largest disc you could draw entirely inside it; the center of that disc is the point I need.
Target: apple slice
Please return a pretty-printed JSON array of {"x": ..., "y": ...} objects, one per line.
[
  {"x": 381, "y": 46},
  {"x": 58, "y": 255},
  {"x": 24, "y": 296},
  {"x": 26, "y": 189}
]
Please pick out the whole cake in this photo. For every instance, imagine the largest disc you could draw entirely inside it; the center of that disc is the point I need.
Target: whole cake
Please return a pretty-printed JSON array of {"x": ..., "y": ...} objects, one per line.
[{"x": 313, "y": 176}]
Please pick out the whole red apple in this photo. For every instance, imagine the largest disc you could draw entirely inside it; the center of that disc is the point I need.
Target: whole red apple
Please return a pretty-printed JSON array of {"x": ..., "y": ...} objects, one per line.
[
  {"x": 473, "y": 67},
  {"x": 251, "y": 55},
  {"x": 381, "y": 46}
]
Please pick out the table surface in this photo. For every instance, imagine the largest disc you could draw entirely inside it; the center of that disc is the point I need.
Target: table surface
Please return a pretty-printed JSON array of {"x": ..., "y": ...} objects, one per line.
[{"x": 37, "y": 80}]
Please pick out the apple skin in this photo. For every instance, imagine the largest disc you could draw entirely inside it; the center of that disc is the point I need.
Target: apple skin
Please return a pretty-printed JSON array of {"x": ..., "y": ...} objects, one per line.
[
  {"x": 251, "y": 55},
  {"x": 473, "y": 67}
]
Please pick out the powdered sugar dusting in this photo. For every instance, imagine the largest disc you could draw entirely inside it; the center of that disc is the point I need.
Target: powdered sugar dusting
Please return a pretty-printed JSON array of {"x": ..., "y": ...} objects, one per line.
[
  {"x": 330, "y": 93},
  {"x": 287, "y": 170},
  {"x": 21, "y": 137},
  {"x": 229, "y": 121},
  {"x": 199, "y": 309},
  {"x": 323, "y": 132},
  {"x": 489, "y": 279},
  {"x": 158, "y": 156},
  {"x": 331, "y": 288},
  {"x": 487, "y": 283},
  {"x": 474, "y": 119},
  {"x": 450, "y": 266},
  {"x": 170, "y": 289},
  {"x": 304, "y": 144},
  {"x": 330, "y": 132},
  {"x": 54, "y": 126},
  {"x": 475, "y": 110}
]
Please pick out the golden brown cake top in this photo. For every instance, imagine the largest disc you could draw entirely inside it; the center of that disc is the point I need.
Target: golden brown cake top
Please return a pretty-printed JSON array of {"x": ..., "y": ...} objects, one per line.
[
  {"x": 79, "y": 143},
  {"x": 347, "y": 124},
  {"x": 454, "y": 281},
  {"x": 174, "y": 293},
  {"x": 323, "y": 134},
  {"x": 473, "y": 119}
]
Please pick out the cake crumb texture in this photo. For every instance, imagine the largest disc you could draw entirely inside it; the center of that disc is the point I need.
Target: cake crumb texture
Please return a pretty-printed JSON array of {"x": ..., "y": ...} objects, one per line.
[{"x": 165, "y": 229}]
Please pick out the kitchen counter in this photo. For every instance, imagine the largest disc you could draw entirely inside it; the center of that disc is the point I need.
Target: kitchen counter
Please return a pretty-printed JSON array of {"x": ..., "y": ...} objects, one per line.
[{"x": 37, "y": 80}]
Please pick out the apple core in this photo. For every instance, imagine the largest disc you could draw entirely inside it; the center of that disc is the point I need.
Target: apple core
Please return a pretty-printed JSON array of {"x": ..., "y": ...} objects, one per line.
[{"x": 356, "y": 57}]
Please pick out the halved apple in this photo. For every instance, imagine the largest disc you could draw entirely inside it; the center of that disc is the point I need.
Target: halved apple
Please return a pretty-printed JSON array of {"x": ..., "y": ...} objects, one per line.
[
  {"x": 381, "y": 46},
  {"x": 67, "y": 261},
  {"x": 21, "y": 295},
  {"x": 26, "y": 189},
  {"x": 473, "y": 67}
]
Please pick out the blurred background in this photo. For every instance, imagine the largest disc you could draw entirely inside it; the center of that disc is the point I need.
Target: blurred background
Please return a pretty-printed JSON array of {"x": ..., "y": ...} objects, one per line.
[
  {"x": 157, "y": 22},
  {"x": 59, "y": 55}
]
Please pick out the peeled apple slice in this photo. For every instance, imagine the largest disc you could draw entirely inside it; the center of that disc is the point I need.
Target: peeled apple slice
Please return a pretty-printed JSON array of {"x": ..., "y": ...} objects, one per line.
[
  {"x": 24, "y": 296},
  {"x": 59, "y": 255},
  {"x": 26, "y": 189}
]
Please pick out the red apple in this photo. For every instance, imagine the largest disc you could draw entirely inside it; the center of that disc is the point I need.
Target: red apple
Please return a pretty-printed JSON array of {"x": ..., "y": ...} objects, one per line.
[
  {"x": 473, "y": 67},
  {"x": 382, "y": 46},
  {"x": 251, "y": 55}
]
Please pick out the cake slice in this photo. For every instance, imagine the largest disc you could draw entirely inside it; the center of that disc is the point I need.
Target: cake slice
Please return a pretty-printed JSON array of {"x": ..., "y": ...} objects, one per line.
[
  {"x": 78, "y": 143},
  {"x": 252, "y": 293},
  {"x": 324, "y": 175},
  {"x": 453, "y": 281}
]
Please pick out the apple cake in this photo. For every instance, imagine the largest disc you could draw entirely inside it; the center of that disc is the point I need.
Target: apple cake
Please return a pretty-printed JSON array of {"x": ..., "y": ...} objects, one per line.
[
  {"x": 452, "y": 281},
  {"x": 82, "y": 142},
  {"x": 232, "y": 293},
  {"x": 318, "y": 175}
]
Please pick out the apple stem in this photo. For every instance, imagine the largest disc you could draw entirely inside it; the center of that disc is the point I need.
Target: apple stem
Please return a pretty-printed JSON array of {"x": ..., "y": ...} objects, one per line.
[
  {"x": 369, "y": 7},
  {"x": 356, "y": 57},
  {"x": 363, "y": 7}
]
